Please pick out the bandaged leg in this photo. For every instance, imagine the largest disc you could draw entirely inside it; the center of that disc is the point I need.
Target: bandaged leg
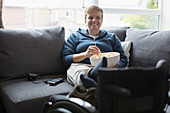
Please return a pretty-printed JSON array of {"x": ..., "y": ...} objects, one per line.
[{"x": 75, "y": 70}]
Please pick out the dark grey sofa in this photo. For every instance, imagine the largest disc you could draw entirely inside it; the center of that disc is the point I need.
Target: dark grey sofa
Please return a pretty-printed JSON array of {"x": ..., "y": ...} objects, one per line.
[
  {"x": 24, "y": 51},
  {"x": 30, "y": 51}
]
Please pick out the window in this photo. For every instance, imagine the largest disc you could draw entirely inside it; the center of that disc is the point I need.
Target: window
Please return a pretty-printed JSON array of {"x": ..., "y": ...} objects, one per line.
[
  {"x": 143, "y": 14},
  {"x": 37, "y": 13}
]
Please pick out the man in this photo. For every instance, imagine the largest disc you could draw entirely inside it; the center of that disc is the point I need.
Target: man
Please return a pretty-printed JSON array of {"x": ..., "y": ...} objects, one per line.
[{"x": 84, "y": 43}]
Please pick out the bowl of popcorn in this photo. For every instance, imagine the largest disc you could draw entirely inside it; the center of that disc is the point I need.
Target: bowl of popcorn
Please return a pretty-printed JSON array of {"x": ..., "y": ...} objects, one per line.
[{"x": 112, "y": 58}]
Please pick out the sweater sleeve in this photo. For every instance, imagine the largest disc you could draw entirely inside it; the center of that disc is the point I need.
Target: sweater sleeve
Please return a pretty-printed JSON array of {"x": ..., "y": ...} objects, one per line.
[
  {"x": 68, "y": 50},
  {"x": 118, "y": 48}
]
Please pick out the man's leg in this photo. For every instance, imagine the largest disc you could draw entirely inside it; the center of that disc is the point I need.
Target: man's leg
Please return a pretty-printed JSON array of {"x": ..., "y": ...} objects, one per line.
[
  {"x": 75, "y": 70},
  {"x": 94, "y": 72},
  {"x": 92, "y": 79}
]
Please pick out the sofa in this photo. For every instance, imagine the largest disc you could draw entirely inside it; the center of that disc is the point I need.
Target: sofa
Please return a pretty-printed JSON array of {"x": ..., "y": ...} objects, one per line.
[{"x": 39, "y": 51}]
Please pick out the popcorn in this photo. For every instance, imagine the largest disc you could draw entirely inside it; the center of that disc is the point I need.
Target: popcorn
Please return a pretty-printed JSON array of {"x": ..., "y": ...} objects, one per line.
[{"x": 100, "y": 55}]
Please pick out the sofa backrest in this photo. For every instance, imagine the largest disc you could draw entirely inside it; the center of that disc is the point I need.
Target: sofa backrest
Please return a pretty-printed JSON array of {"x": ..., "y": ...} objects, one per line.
[
  {"x": 119, "y": 31},
  {"x": 148, "y": 47},
  {"x": 24, "y": 51}
]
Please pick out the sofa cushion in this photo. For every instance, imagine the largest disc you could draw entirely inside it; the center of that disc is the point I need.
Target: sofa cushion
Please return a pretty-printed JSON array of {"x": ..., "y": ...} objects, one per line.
[
  {"x": 119, "y": 31},
  {"x": 35, "y": 50},
  {"x": 22, "y": 96},
  {"x": 148, "y": 47}
]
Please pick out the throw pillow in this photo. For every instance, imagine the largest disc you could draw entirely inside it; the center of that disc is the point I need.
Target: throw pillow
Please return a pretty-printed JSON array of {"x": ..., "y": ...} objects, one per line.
[
  {"x": 126, "y": 47},
  {"x": 36, "y": 50}
]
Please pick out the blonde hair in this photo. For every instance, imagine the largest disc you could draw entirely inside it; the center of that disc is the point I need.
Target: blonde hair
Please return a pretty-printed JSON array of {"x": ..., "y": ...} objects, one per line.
[{"x": 93, "y": 7}]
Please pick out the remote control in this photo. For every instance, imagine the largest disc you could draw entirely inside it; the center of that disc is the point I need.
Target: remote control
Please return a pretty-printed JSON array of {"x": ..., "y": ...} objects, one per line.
[{"x": 55, "y": 81}]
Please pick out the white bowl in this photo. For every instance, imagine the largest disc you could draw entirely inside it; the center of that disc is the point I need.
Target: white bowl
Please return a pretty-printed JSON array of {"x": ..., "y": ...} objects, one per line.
[{"x": 112, "y": 58}]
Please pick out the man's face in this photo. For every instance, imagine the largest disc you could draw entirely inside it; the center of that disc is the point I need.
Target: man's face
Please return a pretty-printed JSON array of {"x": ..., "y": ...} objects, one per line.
[{"x": 94, "y": 20}]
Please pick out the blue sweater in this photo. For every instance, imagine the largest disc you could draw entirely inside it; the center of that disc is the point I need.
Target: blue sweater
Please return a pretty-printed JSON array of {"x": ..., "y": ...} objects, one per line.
[{"x": 79, "y": 42}]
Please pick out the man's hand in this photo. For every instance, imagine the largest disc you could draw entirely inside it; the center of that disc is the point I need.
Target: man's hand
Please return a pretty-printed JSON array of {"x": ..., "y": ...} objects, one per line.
[{"x": 92, "y": 50}]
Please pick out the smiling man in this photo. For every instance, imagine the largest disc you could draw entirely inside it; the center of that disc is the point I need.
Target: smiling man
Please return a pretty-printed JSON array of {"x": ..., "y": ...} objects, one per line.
[
  {"x": 93, "y": 20},
  {"x": 84, "y": 43}
]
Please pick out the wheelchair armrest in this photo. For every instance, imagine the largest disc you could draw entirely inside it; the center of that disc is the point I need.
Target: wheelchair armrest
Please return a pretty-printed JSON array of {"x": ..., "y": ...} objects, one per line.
[{"x": 117, "y": 90}]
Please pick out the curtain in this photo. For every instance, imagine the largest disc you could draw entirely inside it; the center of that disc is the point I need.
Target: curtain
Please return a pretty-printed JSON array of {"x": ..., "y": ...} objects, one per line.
[{"x": 1, "y": 23}]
